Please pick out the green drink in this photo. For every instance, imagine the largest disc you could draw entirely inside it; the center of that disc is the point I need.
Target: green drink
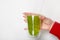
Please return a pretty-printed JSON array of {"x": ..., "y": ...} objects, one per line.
[
  {"x": 34, "y": 24},
  {"x": 29, "y": 19}
]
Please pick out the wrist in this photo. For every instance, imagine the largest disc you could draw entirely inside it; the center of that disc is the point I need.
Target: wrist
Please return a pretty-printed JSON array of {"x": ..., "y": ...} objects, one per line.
[{"x": 51, "y": 25}]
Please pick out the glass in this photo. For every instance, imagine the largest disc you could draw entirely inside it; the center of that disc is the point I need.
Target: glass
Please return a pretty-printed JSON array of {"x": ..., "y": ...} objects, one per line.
[{"x": 34, "y": 25}]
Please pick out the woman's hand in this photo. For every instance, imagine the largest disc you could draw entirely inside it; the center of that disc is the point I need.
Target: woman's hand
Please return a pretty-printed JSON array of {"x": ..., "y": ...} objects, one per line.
[{"x": 46, "y": 22}]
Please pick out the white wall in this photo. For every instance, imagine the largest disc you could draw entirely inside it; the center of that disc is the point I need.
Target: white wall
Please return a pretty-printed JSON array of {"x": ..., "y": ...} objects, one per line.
[{"x": 11, "y": 20}]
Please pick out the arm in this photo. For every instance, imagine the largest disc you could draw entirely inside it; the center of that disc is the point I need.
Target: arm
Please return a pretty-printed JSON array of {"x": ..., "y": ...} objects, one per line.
[
  {"x": 55, "y": 30},
  {"x": 53, "y": 27},
  {"x": 47, "y": 24}
]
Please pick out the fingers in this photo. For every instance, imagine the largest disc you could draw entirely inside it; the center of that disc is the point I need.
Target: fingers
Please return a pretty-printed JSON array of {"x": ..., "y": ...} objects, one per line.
[
  {"x": 24, "y": 16},
  {"x": 29, "y": 13},
  {"x": 25, "y": 21},
  {"x": 25, "y": 28}
]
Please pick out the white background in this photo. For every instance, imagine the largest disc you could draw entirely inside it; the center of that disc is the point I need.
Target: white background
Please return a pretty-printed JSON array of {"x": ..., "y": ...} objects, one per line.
[{"x": 11, "y": 20}]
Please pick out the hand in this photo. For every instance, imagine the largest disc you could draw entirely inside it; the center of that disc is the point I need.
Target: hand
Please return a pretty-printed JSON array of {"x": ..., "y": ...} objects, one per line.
[{"x": 46, "y": 22}]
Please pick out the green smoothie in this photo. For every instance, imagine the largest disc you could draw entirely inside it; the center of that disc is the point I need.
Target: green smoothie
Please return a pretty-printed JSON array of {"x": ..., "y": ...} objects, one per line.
[{"x": 33, "y": 25}]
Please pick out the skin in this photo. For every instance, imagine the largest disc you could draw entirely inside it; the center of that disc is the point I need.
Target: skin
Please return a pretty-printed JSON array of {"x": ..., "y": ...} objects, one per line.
[{"x": 46, "y": 22}]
